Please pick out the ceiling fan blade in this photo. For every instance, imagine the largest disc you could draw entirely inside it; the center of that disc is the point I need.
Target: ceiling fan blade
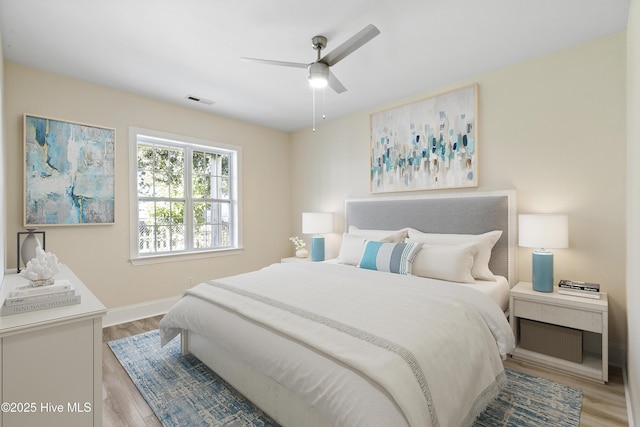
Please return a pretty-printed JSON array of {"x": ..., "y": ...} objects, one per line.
[
  {"x": 351, "y": 45},
  {"x": 280, "y": 63},
  {"x": 335, "y": 83}
]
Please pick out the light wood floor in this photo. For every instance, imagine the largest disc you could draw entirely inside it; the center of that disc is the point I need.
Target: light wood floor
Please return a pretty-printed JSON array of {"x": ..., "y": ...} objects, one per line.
[{"x": 123, "y": 405}]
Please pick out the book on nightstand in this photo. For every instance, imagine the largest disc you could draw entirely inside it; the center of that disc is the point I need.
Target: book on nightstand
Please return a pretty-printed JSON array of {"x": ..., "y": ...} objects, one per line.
[{"x": 579, "y": 289}]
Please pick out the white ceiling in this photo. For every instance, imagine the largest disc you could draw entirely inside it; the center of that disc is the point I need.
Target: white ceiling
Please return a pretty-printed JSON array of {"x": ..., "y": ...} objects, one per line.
[{"x": 168, "y": 49}]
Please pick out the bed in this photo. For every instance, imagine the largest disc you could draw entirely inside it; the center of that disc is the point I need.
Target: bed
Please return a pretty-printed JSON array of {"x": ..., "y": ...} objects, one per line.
[{"x": 334, "y": 344}]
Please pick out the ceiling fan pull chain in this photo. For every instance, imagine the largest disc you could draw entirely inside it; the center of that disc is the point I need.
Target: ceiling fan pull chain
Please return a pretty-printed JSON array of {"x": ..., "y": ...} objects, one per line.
[
  {"x": 313, "y": 108},
  {"x": 323, "y": 105}
]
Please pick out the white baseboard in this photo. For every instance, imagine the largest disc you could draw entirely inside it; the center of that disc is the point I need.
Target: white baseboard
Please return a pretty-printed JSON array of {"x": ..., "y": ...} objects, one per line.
[{"x": 133, "y": 312}]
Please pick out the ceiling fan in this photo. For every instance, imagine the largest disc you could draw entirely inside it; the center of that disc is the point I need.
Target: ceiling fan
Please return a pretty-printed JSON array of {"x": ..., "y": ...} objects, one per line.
[{"x": 319, "y": 73}]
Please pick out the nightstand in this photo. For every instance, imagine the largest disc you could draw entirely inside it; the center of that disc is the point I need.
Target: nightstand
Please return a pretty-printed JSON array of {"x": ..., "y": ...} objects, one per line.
[
  {"x": 295, "y": 259},
  {"x": 584, "y": 316}
]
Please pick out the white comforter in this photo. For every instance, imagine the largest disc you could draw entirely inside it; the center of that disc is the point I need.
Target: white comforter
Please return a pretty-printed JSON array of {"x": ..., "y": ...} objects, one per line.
[{"x": 434, "y": 347}]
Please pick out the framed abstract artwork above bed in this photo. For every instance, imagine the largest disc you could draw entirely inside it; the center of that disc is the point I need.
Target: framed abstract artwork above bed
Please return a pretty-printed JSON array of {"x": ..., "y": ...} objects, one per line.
[
  {"x": 69, "y": 173},
  {"x": 427, "y": 145}
]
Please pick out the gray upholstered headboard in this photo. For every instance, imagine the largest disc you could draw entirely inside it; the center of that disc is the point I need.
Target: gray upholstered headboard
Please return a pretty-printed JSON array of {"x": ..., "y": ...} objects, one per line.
[{"x": 463, "y": 213}]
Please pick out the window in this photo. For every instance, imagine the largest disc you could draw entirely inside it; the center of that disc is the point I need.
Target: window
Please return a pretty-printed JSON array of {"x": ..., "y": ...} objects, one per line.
[{"x": 186, "y": 195}]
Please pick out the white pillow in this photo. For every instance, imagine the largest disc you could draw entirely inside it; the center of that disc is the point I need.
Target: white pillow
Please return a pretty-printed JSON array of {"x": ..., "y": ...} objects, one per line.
[
  {"x": 351, "y": 249},
  {"x": 387, "y": 236},
  {"x": 452, "y": 263},
  {"x": 487, "y": 241}
]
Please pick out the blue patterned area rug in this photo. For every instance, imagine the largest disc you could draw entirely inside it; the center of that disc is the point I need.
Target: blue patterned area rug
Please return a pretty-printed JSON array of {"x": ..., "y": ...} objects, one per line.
[{"x": 182, "y": 391}]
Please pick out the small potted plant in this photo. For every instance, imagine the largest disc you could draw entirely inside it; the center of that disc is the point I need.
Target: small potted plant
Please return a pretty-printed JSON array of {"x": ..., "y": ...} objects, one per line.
[{"x": 301, "y": 252}]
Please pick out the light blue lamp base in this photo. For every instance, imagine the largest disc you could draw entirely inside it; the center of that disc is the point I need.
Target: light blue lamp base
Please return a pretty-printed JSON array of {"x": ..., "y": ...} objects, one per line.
[
  {"x": 317, "y": 248},
  {"x": 542, "y": 271}
]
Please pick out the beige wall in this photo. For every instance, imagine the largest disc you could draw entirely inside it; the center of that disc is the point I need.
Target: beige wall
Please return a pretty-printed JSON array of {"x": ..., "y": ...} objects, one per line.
[
  {"x": 552, "y": 128},
  {"x": 3, "y": 221},
  {"x": 99, "y": 254},
  {"x": 633, "y": 213}
]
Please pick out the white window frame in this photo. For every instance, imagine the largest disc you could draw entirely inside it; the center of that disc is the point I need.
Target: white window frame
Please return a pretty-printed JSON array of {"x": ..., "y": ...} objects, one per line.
[{"x": 235, "y": 152}]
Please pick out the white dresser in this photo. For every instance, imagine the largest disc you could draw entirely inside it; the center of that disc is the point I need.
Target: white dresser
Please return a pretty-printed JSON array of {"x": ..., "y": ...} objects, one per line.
[{"x": 51, "y": 362}]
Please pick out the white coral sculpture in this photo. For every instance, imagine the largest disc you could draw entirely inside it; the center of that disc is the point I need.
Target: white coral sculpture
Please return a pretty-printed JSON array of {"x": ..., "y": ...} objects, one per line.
[{"x": 42, "y": 267}]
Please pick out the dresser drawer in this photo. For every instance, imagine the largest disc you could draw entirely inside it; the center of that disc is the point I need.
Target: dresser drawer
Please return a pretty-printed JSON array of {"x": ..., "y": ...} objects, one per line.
[{"x": 559, "y": 315}]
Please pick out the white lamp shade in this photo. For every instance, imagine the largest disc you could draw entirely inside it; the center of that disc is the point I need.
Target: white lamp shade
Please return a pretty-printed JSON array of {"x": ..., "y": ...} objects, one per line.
[
  {"x": 317, "y": 222},
  {"x": 547, "y": 231}
]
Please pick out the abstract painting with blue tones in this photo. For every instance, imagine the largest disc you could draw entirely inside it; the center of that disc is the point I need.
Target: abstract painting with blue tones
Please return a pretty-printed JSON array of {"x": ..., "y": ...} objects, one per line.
[
  {"x": 69, "y": 173},
  {"x": 430, "y": 144}
]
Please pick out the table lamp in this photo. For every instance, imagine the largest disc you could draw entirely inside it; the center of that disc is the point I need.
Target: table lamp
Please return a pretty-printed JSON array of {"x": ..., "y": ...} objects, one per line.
[
  {"x": 317, "y": 223},
  {"x": 543, "y": 231}
]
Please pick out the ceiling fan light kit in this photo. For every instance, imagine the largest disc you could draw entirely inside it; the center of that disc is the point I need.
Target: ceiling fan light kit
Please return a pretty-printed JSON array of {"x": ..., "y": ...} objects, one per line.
[
  {"x": 319, "y": 71},
  {"x": 318, "y": 75}
]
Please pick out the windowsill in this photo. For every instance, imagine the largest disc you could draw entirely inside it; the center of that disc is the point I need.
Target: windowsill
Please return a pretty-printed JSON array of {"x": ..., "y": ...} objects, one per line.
[{"x": 184, "y": 256}]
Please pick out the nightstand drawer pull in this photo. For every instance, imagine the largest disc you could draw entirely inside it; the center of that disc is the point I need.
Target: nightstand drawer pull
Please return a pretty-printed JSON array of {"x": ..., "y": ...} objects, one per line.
[{"x": 564, "y": 316}]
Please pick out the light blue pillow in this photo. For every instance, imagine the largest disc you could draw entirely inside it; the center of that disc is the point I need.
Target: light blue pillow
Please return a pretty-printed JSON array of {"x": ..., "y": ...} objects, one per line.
[{"x": 389, "y": 257}]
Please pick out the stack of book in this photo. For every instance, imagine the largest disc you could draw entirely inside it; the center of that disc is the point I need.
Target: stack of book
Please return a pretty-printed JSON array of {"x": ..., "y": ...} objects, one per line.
[
  {"x": 25, "y": 298},
  {"x": 579, "y": 289}
]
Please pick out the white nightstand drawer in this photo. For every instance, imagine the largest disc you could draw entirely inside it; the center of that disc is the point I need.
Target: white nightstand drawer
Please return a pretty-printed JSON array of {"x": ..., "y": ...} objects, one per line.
[{"x": 557, "y": 315}]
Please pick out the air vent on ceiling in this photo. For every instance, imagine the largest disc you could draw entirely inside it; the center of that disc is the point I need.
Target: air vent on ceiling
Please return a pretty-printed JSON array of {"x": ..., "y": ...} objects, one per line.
[{"x": 198, "y": 99}]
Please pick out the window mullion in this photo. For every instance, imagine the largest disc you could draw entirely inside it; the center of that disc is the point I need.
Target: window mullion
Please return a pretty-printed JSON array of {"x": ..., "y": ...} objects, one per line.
[
  {"x": 188, "y": 195},
  {"x": 232, "y": 216}
]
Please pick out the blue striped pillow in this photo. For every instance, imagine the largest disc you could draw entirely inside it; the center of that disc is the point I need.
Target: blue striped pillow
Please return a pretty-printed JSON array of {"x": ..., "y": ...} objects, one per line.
[{"x": 390, "y": 257}]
